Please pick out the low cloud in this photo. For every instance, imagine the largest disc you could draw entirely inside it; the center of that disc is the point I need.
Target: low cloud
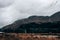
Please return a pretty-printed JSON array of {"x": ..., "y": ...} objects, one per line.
[{"x": 11, "y": 11}]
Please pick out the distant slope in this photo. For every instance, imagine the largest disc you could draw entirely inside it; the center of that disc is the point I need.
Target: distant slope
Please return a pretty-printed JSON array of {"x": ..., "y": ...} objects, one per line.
[
  {"x": 55, "y": 17},
  {"x": 33, "y": 19}
]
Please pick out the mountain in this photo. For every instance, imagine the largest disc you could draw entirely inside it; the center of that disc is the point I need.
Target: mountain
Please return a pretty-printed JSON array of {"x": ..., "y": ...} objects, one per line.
[
  {"x": 55, "y": 17},
  {"x": 32, "y": 19}
]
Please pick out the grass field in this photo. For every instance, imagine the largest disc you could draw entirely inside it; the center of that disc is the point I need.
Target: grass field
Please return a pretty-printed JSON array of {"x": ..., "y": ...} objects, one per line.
[{"x": 27, "y": 36}]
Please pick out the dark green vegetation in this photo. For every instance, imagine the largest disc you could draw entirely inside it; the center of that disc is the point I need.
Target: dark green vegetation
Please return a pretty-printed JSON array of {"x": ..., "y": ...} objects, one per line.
[{"x": 37, "y": 28}]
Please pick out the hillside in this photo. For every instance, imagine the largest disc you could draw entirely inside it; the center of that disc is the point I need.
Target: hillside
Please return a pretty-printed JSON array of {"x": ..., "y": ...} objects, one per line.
[{"x": 37, "y": 21}]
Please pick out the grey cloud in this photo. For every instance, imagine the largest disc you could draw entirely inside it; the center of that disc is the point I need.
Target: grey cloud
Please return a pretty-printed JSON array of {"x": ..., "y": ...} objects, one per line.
[
  {"x": 5, "y": 3},
  {"x": 34, "y": 6},
  {"x": 25, "y": 8}
]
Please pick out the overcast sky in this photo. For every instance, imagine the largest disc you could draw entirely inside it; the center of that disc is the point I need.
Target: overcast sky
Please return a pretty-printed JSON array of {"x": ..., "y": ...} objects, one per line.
[{"x": 12, "y": 10}]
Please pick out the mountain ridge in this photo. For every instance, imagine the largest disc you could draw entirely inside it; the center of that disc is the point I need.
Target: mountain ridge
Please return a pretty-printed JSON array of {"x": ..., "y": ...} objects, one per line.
[{"x": 36, "y": 19}]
